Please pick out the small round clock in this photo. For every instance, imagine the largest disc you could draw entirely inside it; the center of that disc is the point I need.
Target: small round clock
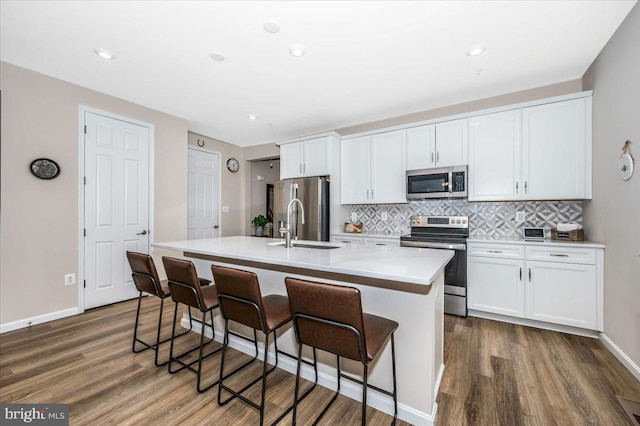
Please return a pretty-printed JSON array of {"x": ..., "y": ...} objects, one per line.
[
  {"x": 44, "y": 168},
  {"x": 233, "y": 165}
]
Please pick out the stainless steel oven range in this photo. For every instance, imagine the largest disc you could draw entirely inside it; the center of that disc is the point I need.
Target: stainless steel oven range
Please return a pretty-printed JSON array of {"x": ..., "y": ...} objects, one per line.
[{"x": 445, "y": 232}]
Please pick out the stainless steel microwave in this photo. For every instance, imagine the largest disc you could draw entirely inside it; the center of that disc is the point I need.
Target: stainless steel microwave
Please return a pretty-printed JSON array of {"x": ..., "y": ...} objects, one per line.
[{"x": 443, "y": 182}]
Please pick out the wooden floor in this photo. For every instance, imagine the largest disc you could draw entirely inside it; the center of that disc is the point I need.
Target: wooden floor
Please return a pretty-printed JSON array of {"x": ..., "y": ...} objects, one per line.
[{"x": 495, "y": 373}]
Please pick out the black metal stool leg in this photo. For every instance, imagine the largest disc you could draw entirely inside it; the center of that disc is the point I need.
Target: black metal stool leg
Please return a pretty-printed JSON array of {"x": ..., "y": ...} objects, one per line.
[
  {"x": 135, "y": 327},
  {"x": 395, "y": 392},
  {"x": 157, "y": 348},
  {"x": 364, "y": 395},
  {"x": 297, "y": 388}
]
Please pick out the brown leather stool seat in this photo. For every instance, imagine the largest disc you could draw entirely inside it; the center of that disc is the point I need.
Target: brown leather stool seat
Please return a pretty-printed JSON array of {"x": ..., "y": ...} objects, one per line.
[
  {"x": 186, "y": 289},
  {"x": 330, "y": 318},
  {"x": 241, "y": 301},
  {"x": 146, "y": 280}
]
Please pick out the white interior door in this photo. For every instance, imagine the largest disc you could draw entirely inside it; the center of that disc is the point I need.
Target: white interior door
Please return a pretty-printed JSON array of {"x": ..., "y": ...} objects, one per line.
[
  {"x": 116, "y": 206},
  {"x": 203, "y": 211}
]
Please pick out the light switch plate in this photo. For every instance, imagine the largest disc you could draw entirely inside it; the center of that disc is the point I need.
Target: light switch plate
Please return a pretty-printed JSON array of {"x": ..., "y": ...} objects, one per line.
[
  {"x": 519, "y": 216},
  {"x": 69, "y": 279},
  {"x": 383, "y": 216}
]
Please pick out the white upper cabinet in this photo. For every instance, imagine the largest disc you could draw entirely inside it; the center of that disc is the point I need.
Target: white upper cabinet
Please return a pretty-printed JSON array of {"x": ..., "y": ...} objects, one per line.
[
  {"x": 421, "y": 147},
  {"x": 535, "y": 153},
  {"x": 312, "y": 157},
  {"x": 437, "y": 145},
  {"x": 452, "y": 143},
  {"x": 556, "y": 150},
  {"x": 373, "y": 169},
  {"x": 494, "y": 156}
]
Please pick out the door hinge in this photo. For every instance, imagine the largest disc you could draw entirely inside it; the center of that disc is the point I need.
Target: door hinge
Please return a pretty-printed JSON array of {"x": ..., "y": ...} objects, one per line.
[
  {"x": 85, "y": 129},
  {"x": 85, "y": 232},
  {"x": 85, "y": 283}
]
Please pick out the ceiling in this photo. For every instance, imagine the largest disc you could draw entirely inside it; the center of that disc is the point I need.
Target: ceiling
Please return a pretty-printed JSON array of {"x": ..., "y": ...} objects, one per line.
[{"x": 364, "y": 60}]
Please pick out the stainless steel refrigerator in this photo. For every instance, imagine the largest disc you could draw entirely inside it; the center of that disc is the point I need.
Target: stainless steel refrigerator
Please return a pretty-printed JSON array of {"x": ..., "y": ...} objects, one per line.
[{"x": 313, "y": 192}]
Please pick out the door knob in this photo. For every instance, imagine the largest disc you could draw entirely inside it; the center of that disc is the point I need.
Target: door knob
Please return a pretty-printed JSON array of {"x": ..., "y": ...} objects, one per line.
[
  {"x": 144, "y": 232},
  {"x": 216, "y": 226}
]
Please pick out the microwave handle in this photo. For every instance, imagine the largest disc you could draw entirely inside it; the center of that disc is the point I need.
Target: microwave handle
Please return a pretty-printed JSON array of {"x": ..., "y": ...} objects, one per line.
[{"x": 450, "y": 184}]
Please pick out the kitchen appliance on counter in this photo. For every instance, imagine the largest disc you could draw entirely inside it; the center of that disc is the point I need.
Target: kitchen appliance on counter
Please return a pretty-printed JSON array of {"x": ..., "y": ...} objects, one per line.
[
  {"x": 445, "y": 232},
  {"x": 443, "y": 182},
  {"x": 313, "y": 192}
]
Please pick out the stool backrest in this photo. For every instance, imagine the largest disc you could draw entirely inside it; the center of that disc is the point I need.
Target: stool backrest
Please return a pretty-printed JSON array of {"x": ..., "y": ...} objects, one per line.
[
  {"x": 183, "y": 282},
  {"x": 144, "y": 273},
  {"x": 328, "y": 317},
  {"x": 239, "y": 296}
]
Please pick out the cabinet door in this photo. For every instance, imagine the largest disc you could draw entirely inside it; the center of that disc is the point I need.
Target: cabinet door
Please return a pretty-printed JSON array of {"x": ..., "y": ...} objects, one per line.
[
  {"x": 382, "y": 241},
  {"x": 495, "y": 285},
  {"x": 355, "y": 171},
  {"x": 452, "y": 143},
  {"x": 316, "y": 157},
  {"x": 388, "y": 168},
  {"x": 346, "y": 239},
  {"x": 291, "y": 160},
  {"x": 494, "y": 157},
  {"x": 562, "y": 293},
  {"x": 555, "y": 151},
  {"x": 421, "y": 147}
]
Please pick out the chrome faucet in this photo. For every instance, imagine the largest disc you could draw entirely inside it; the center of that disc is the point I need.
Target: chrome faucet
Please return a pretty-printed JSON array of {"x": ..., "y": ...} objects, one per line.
[{"x": 287, "y": 229}]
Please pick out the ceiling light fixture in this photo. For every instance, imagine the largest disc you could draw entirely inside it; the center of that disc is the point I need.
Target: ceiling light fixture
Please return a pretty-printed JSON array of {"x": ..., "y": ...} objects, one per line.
[
  {"x": 475, "y": 50},
  {"x": 105, "y": 54},
  {"x": 297, "y": 50},
  {"x": 218, "y": 56},
  {"x": 252, "y": 117},
  {"x": 271, "y": 26}
]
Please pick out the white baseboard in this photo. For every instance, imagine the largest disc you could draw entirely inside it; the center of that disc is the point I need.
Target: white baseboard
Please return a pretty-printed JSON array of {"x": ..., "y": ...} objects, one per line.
[
  {"x": 39, "y": 319},
  {"x": 622, "y": 357},
  {"x": 536, "y": 324},
  {"x": 351, "y": 390}
]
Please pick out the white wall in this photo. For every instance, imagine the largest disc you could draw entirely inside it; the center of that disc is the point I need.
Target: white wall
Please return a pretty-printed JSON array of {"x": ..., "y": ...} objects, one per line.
[{"x": 612, "y": 217}]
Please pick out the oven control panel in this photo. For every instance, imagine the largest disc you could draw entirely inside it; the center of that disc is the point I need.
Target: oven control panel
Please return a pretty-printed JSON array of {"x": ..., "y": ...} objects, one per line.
[{"x": 440, "y": 221}]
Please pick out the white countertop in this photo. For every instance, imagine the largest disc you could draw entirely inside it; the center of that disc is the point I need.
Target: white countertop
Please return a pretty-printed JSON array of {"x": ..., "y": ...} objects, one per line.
[
  {"x": 403, "y": 264},
  {"x": 520, "y": 240}
]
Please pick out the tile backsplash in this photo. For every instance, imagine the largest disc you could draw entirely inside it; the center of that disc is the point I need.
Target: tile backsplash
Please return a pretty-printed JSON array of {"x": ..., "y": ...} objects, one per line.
[{"x": 495, "y": 219}]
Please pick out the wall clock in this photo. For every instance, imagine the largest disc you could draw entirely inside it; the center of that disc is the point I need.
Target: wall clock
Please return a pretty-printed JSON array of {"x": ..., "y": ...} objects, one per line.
[
  {"x": 45, "y": 168},
  {"x": 233, "y": 165}
]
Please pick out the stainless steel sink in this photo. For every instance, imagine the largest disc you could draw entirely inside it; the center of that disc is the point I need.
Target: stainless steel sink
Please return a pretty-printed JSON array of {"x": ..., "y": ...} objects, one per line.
[{"x": 295, "y": 244}]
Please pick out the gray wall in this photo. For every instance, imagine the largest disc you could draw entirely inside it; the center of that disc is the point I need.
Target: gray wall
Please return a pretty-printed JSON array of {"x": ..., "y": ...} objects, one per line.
[{"x": 613, "y": 216}]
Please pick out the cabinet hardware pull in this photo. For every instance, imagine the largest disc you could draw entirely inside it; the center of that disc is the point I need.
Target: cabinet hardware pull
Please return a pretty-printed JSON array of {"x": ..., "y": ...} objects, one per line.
[
  {"x": 432, "y": 156},
  {"x": 525, "y": 187},
  {"x": 348, "y": 242},
  {"x": 438, "y": 156},
  {"x": 304, "y": 167},
  {"x": 380, "y": 244},
  {"x": 373, "y": 197},
  {"x": 367, "y": 194},
  {"x": 494, "y": 251},
  {"x": 516, "y": 187},
  {"x": 300, "y": 167},
  {"x": 529, "y": 274},
  {"x": 521, "y": 273},
  {"x": 558, "y": 255}
]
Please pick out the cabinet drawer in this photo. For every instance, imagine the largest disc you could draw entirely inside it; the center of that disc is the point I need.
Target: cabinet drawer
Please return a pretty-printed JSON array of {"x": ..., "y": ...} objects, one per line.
[
  {"x": 382, "y": 241},
  {"x": 562, "y": 254},
  {"x": 503, "y": 251},
  {"x": 347, "y": 239}
]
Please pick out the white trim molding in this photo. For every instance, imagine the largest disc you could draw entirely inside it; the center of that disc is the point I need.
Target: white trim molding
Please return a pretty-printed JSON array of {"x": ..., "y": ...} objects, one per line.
[
  {"x": 621, "y": 356},
  {"x": 533, "y": 323},
  {"x": 38, "y": 319}
]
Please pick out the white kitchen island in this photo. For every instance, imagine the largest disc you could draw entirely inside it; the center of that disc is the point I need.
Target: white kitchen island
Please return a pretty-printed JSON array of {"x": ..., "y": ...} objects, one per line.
[{"x": 400, "y": 283}]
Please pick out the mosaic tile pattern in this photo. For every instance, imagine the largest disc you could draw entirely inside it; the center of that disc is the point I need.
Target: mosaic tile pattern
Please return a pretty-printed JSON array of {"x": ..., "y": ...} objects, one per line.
[{"x": 485, "y": 219}]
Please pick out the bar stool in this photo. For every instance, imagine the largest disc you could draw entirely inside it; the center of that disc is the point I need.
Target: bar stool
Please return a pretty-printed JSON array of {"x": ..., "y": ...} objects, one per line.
[
  {"x": 146, "y": 280},
  {"x": 329, "y": 317},
  {"x": 241, "y": 301},
  {"x": 185, "y": 288}
]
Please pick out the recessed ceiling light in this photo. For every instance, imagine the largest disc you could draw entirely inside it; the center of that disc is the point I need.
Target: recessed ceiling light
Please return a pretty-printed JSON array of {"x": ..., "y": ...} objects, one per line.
[
  {"x": 271, "y": 26},
  {"x": 218, "y": 56},
  {"x": 297, "y": 50},
  {"x": 475, "y": 50},
  {"x": 252, "y": 117},
  {"x": 105, "y": 54}
]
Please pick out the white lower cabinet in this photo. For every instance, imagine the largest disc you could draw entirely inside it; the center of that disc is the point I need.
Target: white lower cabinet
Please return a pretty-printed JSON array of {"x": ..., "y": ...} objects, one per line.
[
  {"x": 563, "y": 285},
  {"x": 366, "y": 239}
]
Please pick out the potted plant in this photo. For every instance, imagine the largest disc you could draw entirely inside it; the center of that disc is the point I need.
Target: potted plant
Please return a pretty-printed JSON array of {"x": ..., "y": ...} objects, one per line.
[{"x": 259, "y": 222}]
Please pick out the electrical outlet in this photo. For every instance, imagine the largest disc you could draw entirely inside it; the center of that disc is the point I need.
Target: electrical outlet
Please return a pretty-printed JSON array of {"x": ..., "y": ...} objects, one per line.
[
  {"x": 69, "y": 279},
  {"x": 519, "y": 216},
  {"x": 225, "y": 209},
  {"x": 354, "y": 217},
  {"x": 383, "y": 215}
]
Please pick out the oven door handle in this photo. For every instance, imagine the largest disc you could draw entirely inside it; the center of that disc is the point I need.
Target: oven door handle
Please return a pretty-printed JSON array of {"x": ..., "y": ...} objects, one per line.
[{"x": 449, "y": 246}]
